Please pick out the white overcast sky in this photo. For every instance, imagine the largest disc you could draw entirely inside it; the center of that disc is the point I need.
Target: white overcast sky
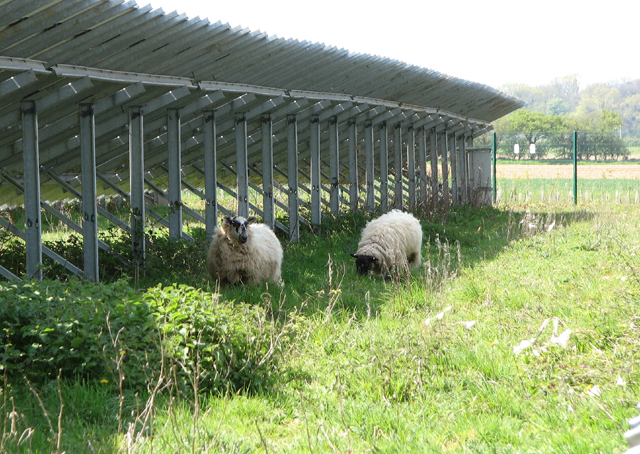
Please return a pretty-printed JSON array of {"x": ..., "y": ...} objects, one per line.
[{"x": 492, "y": 42}]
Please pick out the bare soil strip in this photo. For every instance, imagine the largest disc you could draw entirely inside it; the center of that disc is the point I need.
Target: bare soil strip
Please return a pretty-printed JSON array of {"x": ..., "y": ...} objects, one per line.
[{"x": 591, "y": 172}]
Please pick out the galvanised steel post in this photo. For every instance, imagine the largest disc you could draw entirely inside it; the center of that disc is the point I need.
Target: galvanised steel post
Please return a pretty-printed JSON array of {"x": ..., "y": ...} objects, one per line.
[
  {"x": 575, "y": 167},
  {"x": 292, "y": 176},
  {"x": 210, "y": 172},
  {"x": 493, "y": 164},
  {"x": 314, "y": 144},
  {"x": 174, "y": 148},
  {"x": 267, "y": 171},
  {"x": 89, "y": 192},
  {"x": 33, "y": 226},
  {"x": 242, "y": 166}
]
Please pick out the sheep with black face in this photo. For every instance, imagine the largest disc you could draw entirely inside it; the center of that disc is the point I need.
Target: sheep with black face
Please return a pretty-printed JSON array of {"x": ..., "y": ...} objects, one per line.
[
  {"x": 244, "y": 252},
  {"x": 389, "y": 243}
]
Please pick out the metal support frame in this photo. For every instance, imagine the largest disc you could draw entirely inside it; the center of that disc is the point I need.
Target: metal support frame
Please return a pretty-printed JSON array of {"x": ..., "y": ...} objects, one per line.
[
  {"x": 411, "y": 166},
  {"x": 32, "y": 190},
  {"x": 292, "y": 150},
  {"x": 493, "y": 165},
  {"x": 267, "y": 172},
  {"x": 445, "y": 167},
  {"x": 210, "y": 173},
  {"x": 334, "y": 159},
  {"x": 174, "y": 143},
  {"x": 433, "y": 146},
  {"x": 136, "y": 183},
  {"x": 463, "y": 169},
  {"x": 353, "y": 165},
  {"x": 422, "y": 162},
  {"x": 314, "y": 145},
  {"x": 242, "y": 165},
  {"x": 455, "y": 180},
  {"x": 384, "y": 167},
  {"x": 89, "y": 192},
  {"x": 370, "y": 166},
  {"x": 397, "y": 166}
]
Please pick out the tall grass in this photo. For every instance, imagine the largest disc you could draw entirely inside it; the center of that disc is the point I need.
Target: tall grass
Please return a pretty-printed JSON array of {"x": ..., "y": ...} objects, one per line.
[{"x": 433, "y": 362}]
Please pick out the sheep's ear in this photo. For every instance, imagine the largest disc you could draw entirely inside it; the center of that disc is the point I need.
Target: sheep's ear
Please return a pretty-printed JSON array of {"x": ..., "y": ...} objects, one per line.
[
  {"x": 228, "y": 220},
  {"x": 355, "y": 256},
  {"x": 251, "y": 220}
]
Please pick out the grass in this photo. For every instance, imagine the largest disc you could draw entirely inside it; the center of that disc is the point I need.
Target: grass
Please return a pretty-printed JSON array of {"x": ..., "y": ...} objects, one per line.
[
  {"x": 560, "y": 190},
  {"x": 424, "y": 363}
]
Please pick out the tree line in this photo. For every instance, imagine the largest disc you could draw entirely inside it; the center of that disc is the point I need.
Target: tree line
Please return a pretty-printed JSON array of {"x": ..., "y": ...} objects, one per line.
[{"x": 606, "y": 116}]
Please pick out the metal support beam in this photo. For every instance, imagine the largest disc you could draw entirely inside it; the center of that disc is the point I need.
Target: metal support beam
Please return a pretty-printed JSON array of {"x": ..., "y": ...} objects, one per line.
[
  {"x": 411, "y": 166},
  {"x": 445, "y": 168},
  {"x": 384, "y": 167},
  {"x": 422, "y": 162},
  {"x": 462, "y": 170},
  {"x": 267, "y": 172},
  {"x": 370, "y": 166},
  {"x": 210, "y": 173},
  {"x": 136, "y": 183},
  {"x": 334, "y": 158},
  {"x": 175, "y": 173},
  {"x": 314, "y": 145},
  {"x": 353, "y": 165},
  {"x": 433, "y": 145},
  {"x": 397, "y": 164},
  {"x": 32, "y": 190},
  {"x": 455, "y": 177},
  {"x": 292, "y": 150},
  {"x": 242, "y": 165},
  {"x": 89, "y": 192}
]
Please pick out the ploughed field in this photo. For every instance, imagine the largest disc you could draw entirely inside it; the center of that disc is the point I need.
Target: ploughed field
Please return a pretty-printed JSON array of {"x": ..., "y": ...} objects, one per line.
[{"x": 585, "y": 171}]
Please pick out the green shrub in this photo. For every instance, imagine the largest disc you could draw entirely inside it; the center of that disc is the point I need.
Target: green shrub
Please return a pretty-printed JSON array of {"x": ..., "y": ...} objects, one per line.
[
  {"x": 113, "y": 334},
  {"x": 77, "y": 328},
  {"x": 214, "y": 344}
]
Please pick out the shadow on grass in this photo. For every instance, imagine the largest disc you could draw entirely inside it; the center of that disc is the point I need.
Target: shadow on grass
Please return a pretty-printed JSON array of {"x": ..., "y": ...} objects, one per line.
[{"x": 318, "y": 271}]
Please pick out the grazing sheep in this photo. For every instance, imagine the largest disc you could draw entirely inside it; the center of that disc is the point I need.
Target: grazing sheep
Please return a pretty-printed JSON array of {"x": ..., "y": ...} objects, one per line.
[
  {"x": 390, "y": 242},
  {"x": 244, "y": 252}
]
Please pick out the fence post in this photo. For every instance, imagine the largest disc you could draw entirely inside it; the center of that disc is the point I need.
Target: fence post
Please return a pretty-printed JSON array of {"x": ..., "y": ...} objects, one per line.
[
  {"x": 575, "y": 167},
  {"x": 493, "y": 164}
]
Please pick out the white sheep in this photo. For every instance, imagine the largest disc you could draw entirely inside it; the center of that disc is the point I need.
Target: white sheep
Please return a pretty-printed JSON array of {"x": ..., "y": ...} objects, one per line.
[
  {"x": 244, "y": 252},
  {"x": 390, "y": 242}
]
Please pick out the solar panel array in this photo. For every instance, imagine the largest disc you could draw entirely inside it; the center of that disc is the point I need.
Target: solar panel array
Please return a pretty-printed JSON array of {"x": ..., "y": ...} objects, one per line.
[{"x": 58, "y": 55}]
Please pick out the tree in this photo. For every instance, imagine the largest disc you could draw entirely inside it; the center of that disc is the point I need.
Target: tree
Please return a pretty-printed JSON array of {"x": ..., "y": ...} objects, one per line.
[
  {"x": 531, "y": 126},
  {"x": 597, "y": 97},
  {"x": 557, "y": 106},
  {"x": 533, "y": 96}
]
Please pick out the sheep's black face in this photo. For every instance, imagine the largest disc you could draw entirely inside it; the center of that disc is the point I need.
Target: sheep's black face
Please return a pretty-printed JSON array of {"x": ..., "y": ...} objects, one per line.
[
  {"x": 364, "y": 263},
  {"x": 239, "y": 225}
]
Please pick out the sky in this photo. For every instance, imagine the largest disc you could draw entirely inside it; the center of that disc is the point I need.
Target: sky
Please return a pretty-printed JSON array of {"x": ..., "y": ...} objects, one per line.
[{"x": 493, "y": 42}]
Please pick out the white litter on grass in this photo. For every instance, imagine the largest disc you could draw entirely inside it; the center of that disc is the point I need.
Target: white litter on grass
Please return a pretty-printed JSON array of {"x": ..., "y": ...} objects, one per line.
[
  {"x": 561, "y": 340},
  {"x": 441, "y": 315},
  {"x": 467, "y": 325},
  {"x": 523, "y": 345},
  {"x": 594, "y": 391},
  {"x": 620, "y": 381}
]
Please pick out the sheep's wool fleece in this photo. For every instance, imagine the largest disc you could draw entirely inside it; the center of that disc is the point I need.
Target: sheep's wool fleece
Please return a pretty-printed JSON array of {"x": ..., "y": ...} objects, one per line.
[
  {"x": 256, "y": 261},
  {"x": 395, "y": 239}
]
